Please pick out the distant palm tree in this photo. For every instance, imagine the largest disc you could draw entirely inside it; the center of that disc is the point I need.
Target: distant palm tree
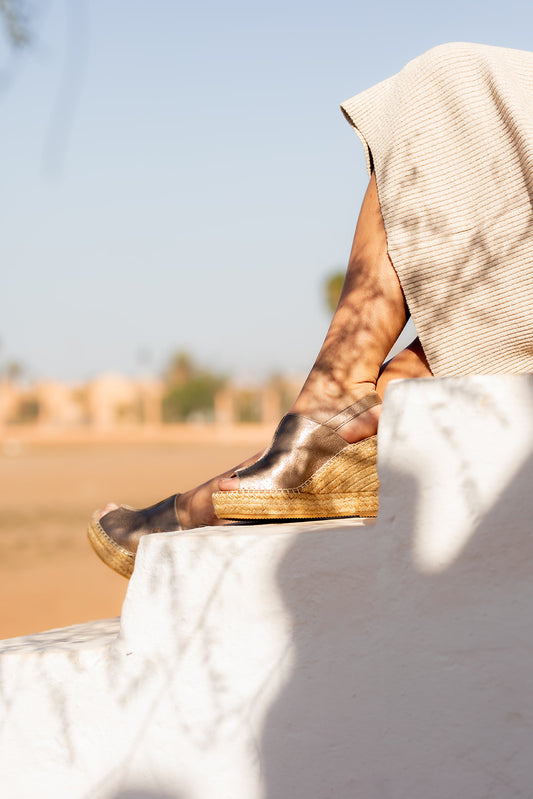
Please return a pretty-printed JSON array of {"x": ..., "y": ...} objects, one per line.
[
  {"x": 332, "y": 289},
  {"x": 13, "y": 371},
  {"x": 189, "y": 388}
]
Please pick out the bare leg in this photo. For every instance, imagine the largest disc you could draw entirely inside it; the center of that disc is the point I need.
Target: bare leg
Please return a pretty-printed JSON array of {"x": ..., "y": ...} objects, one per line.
[
  {"x": 370, "y": 315},
  {"x": 196, "y": 507},
  {"x": 369, "y": 318}
]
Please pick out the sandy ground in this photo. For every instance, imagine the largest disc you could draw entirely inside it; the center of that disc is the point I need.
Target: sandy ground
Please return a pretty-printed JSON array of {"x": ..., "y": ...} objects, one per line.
[{"x": 49, "y": 575}]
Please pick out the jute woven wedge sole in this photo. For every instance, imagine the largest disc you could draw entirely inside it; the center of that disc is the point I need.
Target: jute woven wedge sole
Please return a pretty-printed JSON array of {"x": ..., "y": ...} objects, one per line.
[
  {"x": 113, "y": 555},
  {"x": 346, "y": 485}
]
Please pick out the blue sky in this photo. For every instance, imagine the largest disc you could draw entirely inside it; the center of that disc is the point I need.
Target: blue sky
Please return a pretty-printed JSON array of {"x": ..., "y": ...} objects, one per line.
[{"x": 179, "y": 176}]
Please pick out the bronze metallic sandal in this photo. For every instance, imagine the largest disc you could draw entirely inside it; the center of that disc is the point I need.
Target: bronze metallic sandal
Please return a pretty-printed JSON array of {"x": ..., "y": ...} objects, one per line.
[
  {"x": 308, "y": 472},
  {"x": 115, "y": 537}
]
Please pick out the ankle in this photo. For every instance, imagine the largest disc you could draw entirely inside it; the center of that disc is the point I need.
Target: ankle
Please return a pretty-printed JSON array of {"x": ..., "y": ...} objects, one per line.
[
  {"x": 195, "y": 508},
  {"x": 362, "y": 426},
  {"x": 183, "y": 509},
  {"x": 322, "y": 406},
  {"x": 321, "y": 402}
]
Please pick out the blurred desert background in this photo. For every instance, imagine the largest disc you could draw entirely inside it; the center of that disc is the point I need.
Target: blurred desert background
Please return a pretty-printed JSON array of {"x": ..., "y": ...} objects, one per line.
[{"x": 66, "y": 450}]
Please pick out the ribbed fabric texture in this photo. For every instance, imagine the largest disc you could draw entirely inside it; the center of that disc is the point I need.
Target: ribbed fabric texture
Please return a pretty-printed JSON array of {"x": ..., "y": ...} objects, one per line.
[{"x": 450, "y": 138}]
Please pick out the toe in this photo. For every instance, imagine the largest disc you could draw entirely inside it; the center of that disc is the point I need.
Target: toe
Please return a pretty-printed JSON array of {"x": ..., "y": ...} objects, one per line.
[
  {"x": 229, "y": 484},
  {"x": 107, "y": 509}
]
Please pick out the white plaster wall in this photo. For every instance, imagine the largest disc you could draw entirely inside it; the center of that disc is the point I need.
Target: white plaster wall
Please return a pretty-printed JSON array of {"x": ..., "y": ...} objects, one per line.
[{"x": 349, "y": 659}]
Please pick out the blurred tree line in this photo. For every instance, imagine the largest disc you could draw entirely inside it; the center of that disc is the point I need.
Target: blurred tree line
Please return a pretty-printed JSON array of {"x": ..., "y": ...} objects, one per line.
[
  {"x": 15, "y": 17},
  {"x": 11, "y": 370},
  {"x": 190, "y": 389}
]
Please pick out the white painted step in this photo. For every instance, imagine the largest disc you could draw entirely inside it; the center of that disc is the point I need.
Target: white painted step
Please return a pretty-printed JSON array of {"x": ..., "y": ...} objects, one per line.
[{"x": 342, "y": 660}]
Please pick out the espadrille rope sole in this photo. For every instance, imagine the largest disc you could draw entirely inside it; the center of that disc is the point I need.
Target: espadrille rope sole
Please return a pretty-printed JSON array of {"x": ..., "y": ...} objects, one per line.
[
  {"x": 116, "y": 557},
  {"x": 346, "y": 485}
]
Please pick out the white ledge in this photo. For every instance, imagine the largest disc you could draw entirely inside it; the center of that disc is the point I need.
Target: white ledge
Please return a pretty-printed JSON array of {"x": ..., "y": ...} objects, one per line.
[{"x": 346, "y": 659}]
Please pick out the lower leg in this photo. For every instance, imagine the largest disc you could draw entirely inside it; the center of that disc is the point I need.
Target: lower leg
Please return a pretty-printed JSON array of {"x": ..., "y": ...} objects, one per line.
[
  {"x": 369, "y": 318},
  {"x": 370, "y": 315}
]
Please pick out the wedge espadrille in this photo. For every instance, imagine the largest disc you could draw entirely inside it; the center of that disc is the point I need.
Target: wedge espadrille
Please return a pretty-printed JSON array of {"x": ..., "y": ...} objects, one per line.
[
  {"x": 308, "y": 472},
  {"x": 115, "y": 536}
]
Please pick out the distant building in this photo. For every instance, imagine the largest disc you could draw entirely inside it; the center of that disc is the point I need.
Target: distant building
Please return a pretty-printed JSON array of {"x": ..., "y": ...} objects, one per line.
[{"x": 111, "y": 401}]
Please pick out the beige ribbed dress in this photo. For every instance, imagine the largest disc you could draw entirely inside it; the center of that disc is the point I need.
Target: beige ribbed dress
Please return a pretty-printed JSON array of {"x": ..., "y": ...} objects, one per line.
[{"x": 450, "y": 138}]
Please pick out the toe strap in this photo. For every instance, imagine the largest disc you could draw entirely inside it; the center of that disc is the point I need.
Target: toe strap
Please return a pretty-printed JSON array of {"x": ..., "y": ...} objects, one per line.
[
  {"x": 300, "y": 446},
  {"x": 355, "y": 410},
  {"x": 125, "y": 521}
]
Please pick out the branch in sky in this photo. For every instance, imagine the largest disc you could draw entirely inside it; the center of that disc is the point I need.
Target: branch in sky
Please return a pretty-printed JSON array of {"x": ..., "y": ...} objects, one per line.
[{"x": 15, "y": 20}]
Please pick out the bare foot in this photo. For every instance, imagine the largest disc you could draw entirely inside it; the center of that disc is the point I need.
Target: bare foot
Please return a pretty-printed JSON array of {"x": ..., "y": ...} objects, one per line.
[{"x": 194, "y": 507}]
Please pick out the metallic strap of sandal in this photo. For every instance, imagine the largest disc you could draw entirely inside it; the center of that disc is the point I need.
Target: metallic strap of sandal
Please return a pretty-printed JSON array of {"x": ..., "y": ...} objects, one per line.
[
  {"x": 353, "y": 411},
  {"x": 300, "y": 446}
]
